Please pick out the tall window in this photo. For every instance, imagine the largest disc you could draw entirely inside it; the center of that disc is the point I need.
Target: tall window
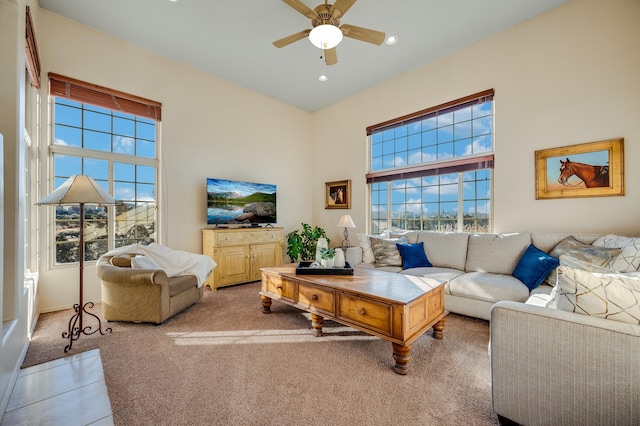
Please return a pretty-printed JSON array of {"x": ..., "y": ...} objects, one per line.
[
  {"x": 431, "y": 170},
  {"x": 118, "y": 150}
]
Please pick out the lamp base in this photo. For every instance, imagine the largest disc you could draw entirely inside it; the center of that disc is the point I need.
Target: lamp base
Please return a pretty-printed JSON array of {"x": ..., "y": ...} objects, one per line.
[{"x": 76, "y": 328}]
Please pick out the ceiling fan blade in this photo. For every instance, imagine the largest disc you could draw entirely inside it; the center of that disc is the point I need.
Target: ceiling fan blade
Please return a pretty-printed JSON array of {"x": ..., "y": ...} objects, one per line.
[
  {"x": 330, "y": 56},
  {"x": 290, "y": 39},
  {"x": 340, "y": 7},
  {"x": 363, "y": 34},
  {"x": 302, "y": 8}
]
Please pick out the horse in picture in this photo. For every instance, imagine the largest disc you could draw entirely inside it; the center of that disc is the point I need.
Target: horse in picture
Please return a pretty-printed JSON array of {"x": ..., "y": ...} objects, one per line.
[{"x": 592, "y": 176}]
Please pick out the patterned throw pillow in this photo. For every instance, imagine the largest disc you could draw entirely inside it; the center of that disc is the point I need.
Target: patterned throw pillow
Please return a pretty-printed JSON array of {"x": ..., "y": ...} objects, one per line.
[
  {"x": 570, "y": 246},
  {"x": 365, "y": 244},
  {"x": 629, "y": 259},
  {"x": 610, "y": 296},
  {"x": 385, "y": 251}
]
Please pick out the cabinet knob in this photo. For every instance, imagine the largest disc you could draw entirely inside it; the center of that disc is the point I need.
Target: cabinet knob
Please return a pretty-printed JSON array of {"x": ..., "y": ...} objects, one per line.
[
  {"x": 279, "y": 287},
  {"x": 362, "y": 311},
  {"x": 314, "y": 297},
  {"x": 227, "y": 238}
]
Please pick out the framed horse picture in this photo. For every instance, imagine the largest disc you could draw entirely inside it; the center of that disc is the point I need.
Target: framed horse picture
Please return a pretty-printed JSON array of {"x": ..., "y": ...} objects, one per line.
[
  {"x": 337, "y": 194},
  {"x": 594, "y": 169}
]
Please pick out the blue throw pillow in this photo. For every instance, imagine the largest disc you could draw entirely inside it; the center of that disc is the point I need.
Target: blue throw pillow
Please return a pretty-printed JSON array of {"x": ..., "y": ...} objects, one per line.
[
  {"x": 413, "y": 255},
  {"x": 534, "y": 266}
]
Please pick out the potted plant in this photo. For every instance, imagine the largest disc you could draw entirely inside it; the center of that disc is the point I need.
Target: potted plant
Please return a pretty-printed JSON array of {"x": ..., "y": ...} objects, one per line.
[
  {"x": 328, "y": 256},
  {"x": 302, "y": 244}
]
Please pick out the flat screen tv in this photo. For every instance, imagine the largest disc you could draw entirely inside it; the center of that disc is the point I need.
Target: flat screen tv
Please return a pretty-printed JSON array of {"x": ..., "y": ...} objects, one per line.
[{"x": 232, "y": 202}]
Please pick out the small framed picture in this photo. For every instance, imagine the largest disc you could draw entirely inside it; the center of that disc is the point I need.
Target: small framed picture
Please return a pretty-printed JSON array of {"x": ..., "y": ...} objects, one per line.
[
  {"x": 593, "y": 169},
  {"x": 337, "y": 194}
]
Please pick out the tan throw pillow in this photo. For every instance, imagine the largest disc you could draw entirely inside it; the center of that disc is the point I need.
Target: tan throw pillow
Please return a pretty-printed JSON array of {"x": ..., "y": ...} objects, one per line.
[
  {"x": 610, "y": 296},
  {"x": 121, "y": 260},
  {"x": 385, "y": 251}
]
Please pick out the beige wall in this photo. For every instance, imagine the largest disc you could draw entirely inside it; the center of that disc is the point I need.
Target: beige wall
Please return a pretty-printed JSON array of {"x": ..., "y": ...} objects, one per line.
[
  {"x": 566, "y": 77},
  {"x": 210, "y": 128}
]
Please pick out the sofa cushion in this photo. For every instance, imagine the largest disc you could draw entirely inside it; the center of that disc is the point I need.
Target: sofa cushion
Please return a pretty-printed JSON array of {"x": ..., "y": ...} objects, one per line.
[
  {"x": 386, "y": 252},
  {"x": 433, "y": 272},
  {"x": 413, "y": 255},
  {"x": 629, "y": 258},
  {"x": 496, "y": 253},
  {"x": 534, "y": 266},
  {"x": 611, "y": 296},
  {"x": 373, "y": 266},
  {"x": 411, "y": 236},
  {"x": 180, "y": 283},
  {"x": 445, "y": 249},
  {"x": 489, "y": 287}
]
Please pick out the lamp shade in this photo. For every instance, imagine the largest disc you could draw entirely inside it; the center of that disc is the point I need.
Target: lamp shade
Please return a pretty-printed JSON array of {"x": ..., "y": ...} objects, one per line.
[
  {"x": 78, "y": 189},
  {"x": 325, "y": 36},
  {"x": 346, "y": 222}
]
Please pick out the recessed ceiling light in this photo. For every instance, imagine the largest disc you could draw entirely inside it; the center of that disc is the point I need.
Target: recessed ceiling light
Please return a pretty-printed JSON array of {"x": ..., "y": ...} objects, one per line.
[
  {"x": 391, "y": 39},
  {"x": 323, "y": 78}
]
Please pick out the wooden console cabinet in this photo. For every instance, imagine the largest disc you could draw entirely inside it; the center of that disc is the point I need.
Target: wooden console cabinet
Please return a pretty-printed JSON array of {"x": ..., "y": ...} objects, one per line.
[{"x": 240, "y": 253}]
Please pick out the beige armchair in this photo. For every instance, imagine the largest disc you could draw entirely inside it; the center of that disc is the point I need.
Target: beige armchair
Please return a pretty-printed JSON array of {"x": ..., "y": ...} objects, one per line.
[{"x": 143, "y": 295}]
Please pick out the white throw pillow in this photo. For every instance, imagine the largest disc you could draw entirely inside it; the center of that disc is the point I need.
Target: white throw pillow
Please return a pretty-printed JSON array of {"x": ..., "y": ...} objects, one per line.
[
  {"x": 365, "y": 244},
  {"x": 142, "y": 262},
  {"x": 629, "y": 259},
  {"x": 610, "y": 296}
]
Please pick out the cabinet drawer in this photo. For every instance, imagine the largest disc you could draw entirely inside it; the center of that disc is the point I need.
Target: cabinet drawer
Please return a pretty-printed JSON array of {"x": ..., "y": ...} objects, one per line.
[
  {"x": 283, "y": 288},
  {"x": 233, "y": 238},
  {"x": 368, "y": 313},
  {"x": 266, "y": 236},
  {"x": 311, "y": 297}
]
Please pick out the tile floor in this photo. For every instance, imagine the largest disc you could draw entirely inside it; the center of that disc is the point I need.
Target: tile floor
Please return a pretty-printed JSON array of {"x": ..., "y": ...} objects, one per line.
[{"x": 68, "y": 391}]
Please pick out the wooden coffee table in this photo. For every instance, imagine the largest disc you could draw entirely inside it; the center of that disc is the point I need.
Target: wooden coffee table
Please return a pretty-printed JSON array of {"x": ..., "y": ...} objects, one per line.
[{"x": 395, "y": 307}]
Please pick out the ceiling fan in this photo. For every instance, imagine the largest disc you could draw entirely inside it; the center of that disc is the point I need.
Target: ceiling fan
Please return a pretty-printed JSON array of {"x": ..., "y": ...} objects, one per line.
[{"x": 327, "y": 31}]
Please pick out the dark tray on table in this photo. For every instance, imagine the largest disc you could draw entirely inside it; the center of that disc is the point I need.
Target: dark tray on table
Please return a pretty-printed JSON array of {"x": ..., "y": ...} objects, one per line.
[{"x": 304, "y": 269}]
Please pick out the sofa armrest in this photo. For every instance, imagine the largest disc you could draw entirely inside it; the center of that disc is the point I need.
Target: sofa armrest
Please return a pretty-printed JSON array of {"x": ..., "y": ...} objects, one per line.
[
  {"x": 131, "y": 276},
  {"x": 555, "y": 367}
]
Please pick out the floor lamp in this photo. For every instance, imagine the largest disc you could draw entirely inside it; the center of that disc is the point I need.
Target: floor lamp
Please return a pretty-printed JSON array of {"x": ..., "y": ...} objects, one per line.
[{"x": 79, "y": 190}]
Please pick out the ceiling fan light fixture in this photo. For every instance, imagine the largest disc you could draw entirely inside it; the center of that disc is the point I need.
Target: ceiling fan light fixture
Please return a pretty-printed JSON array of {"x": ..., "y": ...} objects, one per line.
[{"x": 325, "y": 36}]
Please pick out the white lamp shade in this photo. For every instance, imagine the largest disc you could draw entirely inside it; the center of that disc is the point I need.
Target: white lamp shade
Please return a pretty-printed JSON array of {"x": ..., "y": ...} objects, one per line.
[
  {"x": 325, "y": 36},
  {"x": 76, "y": 190},
  {"x": 346, "y": 222}
]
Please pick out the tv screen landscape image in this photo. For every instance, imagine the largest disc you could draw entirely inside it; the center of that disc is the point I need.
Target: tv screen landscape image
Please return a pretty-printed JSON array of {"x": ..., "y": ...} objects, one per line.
[{"x": 242, "y": 203}]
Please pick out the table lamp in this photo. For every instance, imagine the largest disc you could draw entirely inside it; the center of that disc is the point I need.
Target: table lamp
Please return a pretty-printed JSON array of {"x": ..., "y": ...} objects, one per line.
[
  {"x": 79, "y": 190},
  {"x": 346, "y": 222}
]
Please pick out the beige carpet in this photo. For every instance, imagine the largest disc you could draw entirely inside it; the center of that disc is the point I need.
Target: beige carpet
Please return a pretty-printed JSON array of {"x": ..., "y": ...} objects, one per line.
[{"x": 222, "y": 361}]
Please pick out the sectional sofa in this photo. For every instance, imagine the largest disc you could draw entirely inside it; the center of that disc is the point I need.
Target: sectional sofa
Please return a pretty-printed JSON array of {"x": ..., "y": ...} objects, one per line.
[{"x": 477, "y": 268}]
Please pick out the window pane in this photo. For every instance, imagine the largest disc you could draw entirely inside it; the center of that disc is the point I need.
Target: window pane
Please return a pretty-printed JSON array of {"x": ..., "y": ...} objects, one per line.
[
  {"x": 124, "y": 171},
  {"x": 96, "y": 140},
  {"x": 123, "y": 145},
  {"x": 145, "y": 131},
  {"x": 97, "y": 169},
  {"x": 68, "y": 115},
  {"x": 124, "y": 127},
  {"x": 145, "y": 149},
  {"x": 95, "y": 121},
  {"x": 125, "y": 191},
  {"x": 68, "y": 136},
  {"x": 67, "y": 165}
]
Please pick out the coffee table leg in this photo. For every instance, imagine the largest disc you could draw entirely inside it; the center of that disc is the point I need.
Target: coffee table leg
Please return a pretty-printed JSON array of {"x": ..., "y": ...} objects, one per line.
[
  {"x": 401, "y": 353},
  {"x": 266, "y": 304},
  {"x": 316, "y": 322},
  {"x": 438, "y": 328}
]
